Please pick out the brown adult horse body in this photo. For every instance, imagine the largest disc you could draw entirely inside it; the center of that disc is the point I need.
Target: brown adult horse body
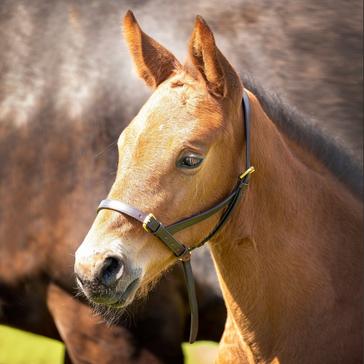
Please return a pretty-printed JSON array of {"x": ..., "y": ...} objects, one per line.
[
  {"x": 51, "y": 179},
  {"x": 289, "y": 260}
]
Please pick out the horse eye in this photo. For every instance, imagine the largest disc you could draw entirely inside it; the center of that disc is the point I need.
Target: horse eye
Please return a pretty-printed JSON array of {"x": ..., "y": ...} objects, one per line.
[{"x": 189, "y": 161}]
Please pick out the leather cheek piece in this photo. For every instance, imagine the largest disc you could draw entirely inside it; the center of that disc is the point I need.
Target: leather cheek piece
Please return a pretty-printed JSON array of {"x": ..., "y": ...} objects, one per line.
[{"x": 165, "y": 233}]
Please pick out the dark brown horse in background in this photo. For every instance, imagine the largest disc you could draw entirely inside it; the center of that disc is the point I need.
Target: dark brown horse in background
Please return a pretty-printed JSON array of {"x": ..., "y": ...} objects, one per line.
[{"x": 66, "y": 93}]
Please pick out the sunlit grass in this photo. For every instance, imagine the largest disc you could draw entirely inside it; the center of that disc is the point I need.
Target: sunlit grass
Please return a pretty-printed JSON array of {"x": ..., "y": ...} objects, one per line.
[
  {"x": 201, "y": 352},
  {"x": 19, "y": 347}
]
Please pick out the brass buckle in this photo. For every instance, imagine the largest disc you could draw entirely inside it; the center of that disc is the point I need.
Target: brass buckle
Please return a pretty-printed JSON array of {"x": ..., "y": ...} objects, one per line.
[
  {"x": 147, "y": 221},
  {"x": 247, "y": 172}
]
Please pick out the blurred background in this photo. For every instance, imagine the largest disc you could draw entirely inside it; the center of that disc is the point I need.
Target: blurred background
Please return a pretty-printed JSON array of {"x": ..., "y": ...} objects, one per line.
[{"x": 67, "y": 90}]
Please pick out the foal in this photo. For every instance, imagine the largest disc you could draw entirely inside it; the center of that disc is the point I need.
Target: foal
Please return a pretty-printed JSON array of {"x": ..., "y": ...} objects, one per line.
[{"x": 289, "y": 259}]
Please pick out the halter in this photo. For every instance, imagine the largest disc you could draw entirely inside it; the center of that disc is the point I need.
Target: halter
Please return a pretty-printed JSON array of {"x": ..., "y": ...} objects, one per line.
[{"x": 165, "y": 233}]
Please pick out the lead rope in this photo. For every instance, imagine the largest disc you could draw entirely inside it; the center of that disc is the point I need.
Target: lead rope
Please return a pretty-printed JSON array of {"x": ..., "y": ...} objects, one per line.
[
  {"x": 242, "y": 184},
  {"x": 192, "y": 298}
]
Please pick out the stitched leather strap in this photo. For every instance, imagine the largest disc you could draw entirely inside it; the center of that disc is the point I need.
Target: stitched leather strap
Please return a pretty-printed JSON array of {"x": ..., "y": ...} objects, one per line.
[
  {"x": 165, "y": 233},
  {"x": 192, "y": 299},
  {"x": 230, "y": 201},
  {"x": 122, "y": 208}
]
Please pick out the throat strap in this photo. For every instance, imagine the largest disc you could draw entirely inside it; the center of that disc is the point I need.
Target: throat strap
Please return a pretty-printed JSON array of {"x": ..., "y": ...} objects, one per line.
[{"x": 165, "y": 233}]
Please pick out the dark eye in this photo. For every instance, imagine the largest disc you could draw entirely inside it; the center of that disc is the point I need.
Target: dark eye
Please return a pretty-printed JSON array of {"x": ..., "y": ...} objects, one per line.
[{"x": 189, "y": 161}]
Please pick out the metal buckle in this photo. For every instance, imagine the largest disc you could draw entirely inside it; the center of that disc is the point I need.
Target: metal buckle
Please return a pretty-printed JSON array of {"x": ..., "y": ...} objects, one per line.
[
  {"x": 185, "y": 256},
  {"x": 150, "y": 219},
  {"x": 247, "y": 172}
]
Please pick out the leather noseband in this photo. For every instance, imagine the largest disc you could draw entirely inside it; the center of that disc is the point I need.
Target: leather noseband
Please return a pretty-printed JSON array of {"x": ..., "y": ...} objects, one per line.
[{"x": 165, "y": 233}]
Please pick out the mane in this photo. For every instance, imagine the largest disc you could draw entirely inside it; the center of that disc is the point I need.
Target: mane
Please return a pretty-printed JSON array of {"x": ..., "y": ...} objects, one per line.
[{"x": 311, "y": 135}]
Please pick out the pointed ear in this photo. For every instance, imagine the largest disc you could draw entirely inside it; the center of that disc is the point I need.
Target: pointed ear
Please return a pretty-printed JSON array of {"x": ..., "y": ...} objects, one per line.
[
  {"x": 153, "y": 62},
  {"x": 207, "y": 58}
]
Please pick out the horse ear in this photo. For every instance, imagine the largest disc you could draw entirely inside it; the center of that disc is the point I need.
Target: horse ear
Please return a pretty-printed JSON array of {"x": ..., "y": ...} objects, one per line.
[
  {"x": 219, "y": 75},
  {"x": 153, "y": 62}
]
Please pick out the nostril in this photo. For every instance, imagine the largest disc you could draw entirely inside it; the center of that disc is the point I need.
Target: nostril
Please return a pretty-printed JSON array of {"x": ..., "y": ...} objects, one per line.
[{"x": 111, "y": 270}]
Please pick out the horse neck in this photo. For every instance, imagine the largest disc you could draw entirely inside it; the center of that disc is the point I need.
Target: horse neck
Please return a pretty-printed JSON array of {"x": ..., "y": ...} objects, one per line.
[{"x": 278, "y": 256}]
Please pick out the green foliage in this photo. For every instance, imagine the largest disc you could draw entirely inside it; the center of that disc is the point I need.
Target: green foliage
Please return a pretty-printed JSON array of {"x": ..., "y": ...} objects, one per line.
[
  {"x": 20, "y": 347},
  {"x": 201, "y": 352}
]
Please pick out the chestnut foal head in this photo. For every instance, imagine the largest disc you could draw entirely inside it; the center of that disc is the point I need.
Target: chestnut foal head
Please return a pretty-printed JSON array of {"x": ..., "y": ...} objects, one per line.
[
  {"x": 180, "y": 155},
  {"x": 290, "y": 269}
]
